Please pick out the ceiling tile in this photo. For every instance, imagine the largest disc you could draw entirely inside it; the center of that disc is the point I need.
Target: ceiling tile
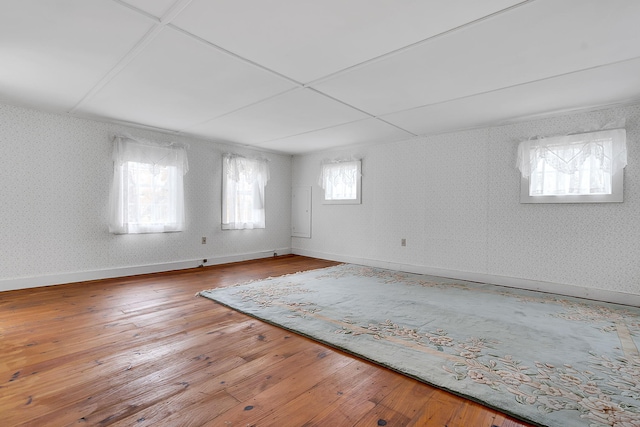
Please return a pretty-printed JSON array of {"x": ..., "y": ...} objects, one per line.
[
  {"x": 53, "y": 53},
  {"x": 177, "y": 82},
  {"x": 593, "y": 88},
  {"x": 295, "y": 112},
  {"x": 426, "y": 66},
  {"x": 154, "y": 7},
  {"x": 370, "y": 131},
  {"x": 306, "y": 39},
  {"x": 534, "y": 41}
]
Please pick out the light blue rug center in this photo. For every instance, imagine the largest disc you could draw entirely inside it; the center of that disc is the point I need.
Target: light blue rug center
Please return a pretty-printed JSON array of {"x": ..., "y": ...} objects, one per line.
[{"x": 550, "y": 360}]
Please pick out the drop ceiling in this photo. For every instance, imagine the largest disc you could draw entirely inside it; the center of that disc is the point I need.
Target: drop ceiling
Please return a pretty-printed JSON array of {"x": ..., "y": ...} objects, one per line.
[{"x": 297, "y": 76}]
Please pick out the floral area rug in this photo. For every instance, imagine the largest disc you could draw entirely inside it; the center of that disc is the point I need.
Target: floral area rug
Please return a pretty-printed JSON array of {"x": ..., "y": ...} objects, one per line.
[{"x": 547, "y": 359}]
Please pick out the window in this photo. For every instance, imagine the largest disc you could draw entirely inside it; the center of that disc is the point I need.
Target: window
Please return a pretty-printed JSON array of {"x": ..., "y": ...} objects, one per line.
[
  {"x": 147, "y": 194},
  {"x": 243, "y": 182},
  {"x": 341, "y": 182},
  {"x": 579, "y": 168}
]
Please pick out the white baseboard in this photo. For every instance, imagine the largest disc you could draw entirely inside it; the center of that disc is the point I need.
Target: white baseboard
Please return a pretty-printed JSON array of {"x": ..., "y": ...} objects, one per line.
[
  {"x": 512, "y": 282},
  {"x": 83, "y": 276}
]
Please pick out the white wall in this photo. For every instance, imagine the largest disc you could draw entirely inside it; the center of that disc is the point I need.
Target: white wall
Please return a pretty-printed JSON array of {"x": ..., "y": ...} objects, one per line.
[
  {"x": 455, "y": 198},
  {"x": 55, "y": 173}
]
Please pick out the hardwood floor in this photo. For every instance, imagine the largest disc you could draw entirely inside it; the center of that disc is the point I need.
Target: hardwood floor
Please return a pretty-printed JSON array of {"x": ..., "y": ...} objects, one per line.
[{"x": 143, "y": 350}]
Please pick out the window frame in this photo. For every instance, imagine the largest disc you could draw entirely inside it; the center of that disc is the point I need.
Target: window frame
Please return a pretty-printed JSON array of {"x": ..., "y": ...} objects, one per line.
[
  {"x": 354, "y": 201},
  {"x": 617, "y": 158},
  {"x": 134, "y": 164},
  {"x": 171, "y": 223},
  {"x": 259, "y": 185}
]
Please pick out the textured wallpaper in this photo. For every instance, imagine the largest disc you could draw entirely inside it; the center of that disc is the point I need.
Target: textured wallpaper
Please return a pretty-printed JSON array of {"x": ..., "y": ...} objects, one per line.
[
  {"x": 455, "y": 198},
  {"x": 55, "y": 173},
  {"x": 593, "y": 245}
]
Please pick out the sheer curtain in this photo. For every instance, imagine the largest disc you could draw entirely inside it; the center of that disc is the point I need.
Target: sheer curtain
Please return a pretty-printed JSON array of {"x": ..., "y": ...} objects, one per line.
[
  {"x": 573, "y": 164},
  {"x": 243, "y": 183},
  {"x": 339, "y": 179},
  {"x": 147, "y": 191}
]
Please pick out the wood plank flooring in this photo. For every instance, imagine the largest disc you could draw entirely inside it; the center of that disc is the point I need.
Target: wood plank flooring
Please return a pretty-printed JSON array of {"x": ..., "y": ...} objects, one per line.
[{"x": 143, "y": 350}]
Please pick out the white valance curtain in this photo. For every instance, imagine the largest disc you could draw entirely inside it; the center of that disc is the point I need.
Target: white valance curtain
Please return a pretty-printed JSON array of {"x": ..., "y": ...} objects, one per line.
[
  {"x": 339, "y": 178},
  {"x": 573, "y": 164},
  {"x": 147, "y": 191},
  {"x": 243, "y": 192}
]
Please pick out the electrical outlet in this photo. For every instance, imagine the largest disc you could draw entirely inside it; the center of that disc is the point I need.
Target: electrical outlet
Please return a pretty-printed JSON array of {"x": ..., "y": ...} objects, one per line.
[
  {"x": 403, "y": 242},
  {"x": 204, "y": 240}
]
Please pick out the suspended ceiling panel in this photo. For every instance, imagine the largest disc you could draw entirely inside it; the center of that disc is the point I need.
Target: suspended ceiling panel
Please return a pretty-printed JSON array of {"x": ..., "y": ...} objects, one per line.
[
  {"x": 53, "y": 52},
  {"x": 309, "y": 39},
  {"x": 298, "y": 111},
  {"x": 368, "y": 131},
  {"x": 300, "y": 75},
  {"x": 533, "y": 42},
  {"x": 177, "y": 82},
  {"x": 568, "y": 92}
]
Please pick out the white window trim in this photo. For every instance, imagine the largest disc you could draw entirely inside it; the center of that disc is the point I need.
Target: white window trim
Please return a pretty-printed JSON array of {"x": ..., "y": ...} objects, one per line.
[
  {"x": 128, "y": 150},
  {"x": 355, "y": 201},
  {"x": 232, "y": 170},
  {"x": 618, "y": 163}
]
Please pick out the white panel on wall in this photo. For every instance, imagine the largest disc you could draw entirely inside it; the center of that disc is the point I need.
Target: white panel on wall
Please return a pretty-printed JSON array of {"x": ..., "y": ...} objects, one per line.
[{"x": 301, "y": 211}]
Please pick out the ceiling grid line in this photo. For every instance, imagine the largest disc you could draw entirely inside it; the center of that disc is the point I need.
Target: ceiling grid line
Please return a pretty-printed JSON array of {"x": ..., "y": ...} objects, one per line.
[
  {"x": 411, "y": 46},
  {"x": 502, "y": 88},
  {"x": 144, "y": 13},
  {"x": 174, "y": 11},
  {"x": 236, "y": 56},
  {"x": 297, "y": 77},
  {"x": 120, "y": 65},
  {"x": 410, "y": 135},
  {"x": 372, "y": 116},
  {"x": 158, "y": 26},
  {"x": 244, "y": 107}
]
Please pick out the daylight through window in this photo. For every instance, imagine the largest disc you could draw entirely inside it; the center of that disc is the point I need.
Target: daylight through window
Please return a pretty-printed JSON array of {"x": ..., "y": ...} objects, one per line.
[
  {"x": 147, "y": 189},
  {"x": 243, "y": 188},
  {"x": 341, "y": 182},
  {"x": 585, "y": 167}
]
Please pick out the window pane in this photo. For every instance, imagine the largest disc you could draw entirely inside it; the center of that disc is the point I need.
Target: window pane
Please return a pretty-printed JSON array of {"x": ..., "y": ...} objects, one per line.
[
  {"x": 243, "y": 192},
  {"x": 151, "y": 194},
  {"x": 147, "y": 194},
  {"x": 341, "y": 181},
  {"x": 573, "y": 169}
]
